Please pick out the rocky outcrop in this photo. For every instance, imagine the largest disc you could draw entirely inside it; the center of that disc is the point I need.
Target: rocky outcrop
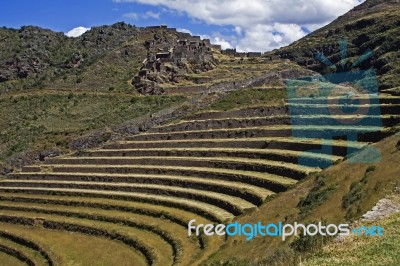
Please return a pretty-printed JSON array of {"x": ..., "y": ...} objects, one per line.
[
  {"x": 382, "y": 209},
  {"x": 373, "y": 25},
  {"x": 33, "y": 56}
]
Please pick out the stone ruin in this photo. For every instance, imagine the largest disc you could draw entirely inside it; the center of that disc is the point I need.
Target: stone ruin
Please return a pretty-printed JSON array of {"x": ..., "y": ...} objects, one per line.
[
  {"x": 170, "y": 55},
  {"x": 234, "y": 53}
]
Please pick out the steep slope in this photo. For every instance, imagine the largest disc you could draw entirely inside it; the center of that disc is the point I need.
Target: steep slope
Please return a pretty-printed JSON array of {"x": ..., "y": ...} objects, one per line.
[{"x": 373, "y": 25}]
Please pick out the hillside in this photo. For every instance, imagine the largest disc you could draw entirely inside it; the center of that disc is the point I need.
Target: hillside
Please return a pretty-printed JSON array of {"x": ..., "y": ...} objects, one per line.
[
  {"x": 58, "y": 94},
  {"x": 33, "y": 57},
  {"x": 372, "y": 25}
]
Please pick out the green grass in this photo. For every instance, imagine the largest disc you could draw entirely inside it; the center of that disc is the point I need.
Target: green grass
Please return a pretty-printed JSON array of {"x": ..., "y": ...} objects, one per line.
[
  {"x": 77, "y": 249},
  {"x": 26, "y": 251},
  {"x": 356, "y": 250},
  {"x": 9, "y": 260}
]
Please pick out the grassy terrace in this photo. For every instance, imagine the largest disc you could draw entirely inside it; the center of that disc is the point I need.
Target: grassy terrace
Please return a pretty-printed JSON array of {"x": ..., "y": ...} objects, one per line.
[
  {"x": 35, "y": 253},
  {"x": 209, "y": 173},
  {"x": 10, "y": 260},
  {"x": 384, "y": 98},
  {"x": 286, "y": 155},
  {"x": 250, "y": 97},
  {"x": 175, "y": 235},
  {"x": 265, "y": 131},
  {"x": 205, "y": 210},
  {"x": 169, "y": 217},
  {"x": 232, "y": 204},
  {"x": 30, "y": 255},
  {"x": 173, "y": 214},
  {"x": 153, "y": 247},
  {"x": 246, "y": 121},
  {"x": 200, "y": 166},
  {"x": 77, "y": 248},
  {"x": 16, "y": 253},
  {"x": 253, "y": 194},
  {"x": 131, "y": 143},
  {"x": 201, "y": 161},
  {"x": 339, "y": 127}
]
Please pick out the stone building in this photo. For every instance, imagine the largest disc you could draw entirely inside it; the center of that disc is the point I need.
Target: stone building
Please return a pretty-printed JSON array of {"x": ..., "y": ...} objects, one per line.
[
  {"x": 234, "y": 53},
  {"x": 169, "y": 54}
]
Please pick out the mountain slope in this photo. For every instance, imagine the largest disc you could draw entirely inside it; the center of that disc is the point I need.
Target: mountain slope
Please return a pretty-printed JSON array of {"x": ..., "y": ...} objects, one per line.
[
  {"x": 374, "y": 25},
  {"x": 33, "y": 57}
]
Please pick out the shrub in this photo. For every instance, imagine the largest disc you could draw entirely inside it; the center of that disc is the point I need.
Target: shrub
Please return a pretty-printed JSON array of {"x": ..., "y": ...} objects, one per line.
[
  {"x": 306, "y": 243},
  {"x": 370, "y": 168},
  {"x": 352, "y": 199},
  {"x": 317, "y": 195}
]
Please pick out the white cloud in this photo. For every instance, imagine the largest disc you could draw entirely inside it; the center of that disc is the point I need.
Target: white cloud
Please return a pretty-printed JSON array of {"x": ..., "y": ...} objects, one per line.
[
  {"x": 220, "y": 41},
  {"x": 260, "y": 24},
  {"x": 238, "y": 30},
  {"x": 268, "y": 37},
  {"x": 131, "y": 15},
  {"x": 184, "y": 30},
  {"x": 76, "y": 32},
  {"x": 151, "y": 14},
  {"x": 147, "y": 15}
]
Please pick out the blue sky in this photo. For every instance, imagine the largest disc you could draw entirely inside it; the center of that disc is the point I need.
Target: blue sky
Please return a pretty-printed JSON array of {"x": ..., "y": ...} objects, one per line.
[{"x": 257, "y": 25}]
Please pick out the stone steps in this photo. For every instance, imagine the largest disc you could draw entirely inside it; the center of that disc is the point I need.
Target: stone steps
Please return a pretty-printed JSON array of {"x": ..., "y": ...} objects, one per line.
[
  {"x": 269, "y": 181},
  {"x": 339, "y": 147},
  {"x": 287, "y": 156},
  {"x": 244, "y": 164},
  {"x": 325, "y": 132},
  {"x": 253, "y": 194}
]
